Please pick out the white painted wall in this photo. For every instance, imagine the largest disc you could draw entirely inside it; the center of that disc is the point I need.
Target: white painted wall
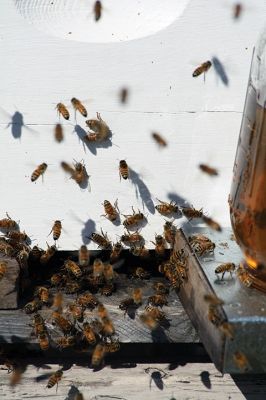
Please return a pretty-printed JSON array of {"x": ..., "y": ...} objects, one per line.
[{"x": 200, "y": 120}]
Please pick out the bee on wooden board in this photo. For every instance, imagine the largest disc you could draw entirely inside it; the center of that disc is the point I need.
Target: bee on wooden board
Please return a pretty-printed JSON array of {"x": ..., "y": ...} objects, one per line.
[
  {"x": 241, "y": 361},
  {"x": 175, "y": 280},
  {"x": 108, "y": 289},
  {"x": 16, "y": 376},
  {"x": 225, "y": 267},
  {"x": 208, "y": 170},
  {"x": 6, "y": 248},
  {"x": 165, "y": 208},
  {"x": 73, "y": 268},
  {"x": 102, "y": 311},
  {"x": 44, "y": 341},
  {"x": 101, "y": 130},
  {"x": 123, "y": 169},
  {"x": 66, "y": 342},
  {"x": 244, "y": 277},
  {"x": 72, "y": 287},
  {"x": 126, "y": 304},
  {"x": 158, "y": 300},
  {"x": 140, "y": 273},
  {"x": 212, "y": 224},
  {"x": 58, "y": 279},
  {"x": 58, "y": 301},
  {"x": 169, "y": 231},
  {"x": 116, "y": 251},
  {"x": 87, "y": 300},
  {"x": 112, "y": 347},
  {"x": 36, "y": 253},
  {"x": 76, "y": 311},
  {"x": 102, "y": 240},
  {"x": 23, "y": 257},
  {"x": 215, "y": 316},
  {"x": 160, "y": 245},
  {"x": 78, "y": 106},
  {"x": 108, "y": 273},
  {"x": 48, "y": 254},
  {"x": 58, "y": 133},
  {"x": 54, "y": 379},
  {"x": 159, "y": 139},
  {"x": 17, "y": 236},
  {"x": 84, "y": 256},
  {"x": 39, "y": 325},
  {"x": 80, "y": 175},
  {"x": 160, "y": 288},
  {"x": 98, "y": 355},
  {"x": 227, "y": 329},
  {"x": 32, "y": 306},
  {"x": 89, "y": 334},
  {"x": 140, "y": 251},
  {"x": 149, "y": 321},
  {"x": 123, "y": 95},
  {"x": 203, "y": 68},
  {"x": 111, "y": 211},
  {"x": 97, "y": 268},
  {"x": 8, "y": 223},
  {"x": 43, "y": 293},
  {"x": 56, "y": 229},
  {"x": 97, "y": 10},
  {"x": 61, "y": 108},
  {"x": 3, "y": 269},
  {"x": 65, "y": 325},
  {"x": 178, "y": 257},
  {"x": 132, "y": 220},
  {"x": 155, "y": 313},
  {"x": 108, "y": 327},
  {"x": 132, "y": 238},
  {"x": 39, "y": 171},
  {"x": 191, "y": 212},
  {"x": 201, "y": 244},
  {"x": 137, "y": 296},
  {"x": 237, "y": 10}
]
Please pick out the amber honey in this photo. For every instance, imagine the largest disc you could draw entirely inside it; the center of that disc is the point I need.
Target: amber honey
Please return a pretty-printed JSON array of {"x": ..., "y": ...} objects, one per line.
[{"x": 247, "y": 199}]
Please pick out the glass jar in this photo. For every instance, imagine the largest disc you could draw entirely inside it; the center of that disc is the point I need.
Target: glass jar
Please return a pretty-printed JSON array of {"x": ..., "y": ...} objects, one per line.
[{"x": 247, "y": 199}]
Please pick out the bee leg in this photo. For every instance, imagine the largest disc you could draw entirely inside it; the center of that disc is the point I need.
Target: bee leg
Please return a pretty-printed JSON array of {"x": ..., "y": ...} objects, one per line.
[
  {"x": 231, "y": 273},
  {"x": 222, "y": 275},
  {"x": 116, "y": 205}
]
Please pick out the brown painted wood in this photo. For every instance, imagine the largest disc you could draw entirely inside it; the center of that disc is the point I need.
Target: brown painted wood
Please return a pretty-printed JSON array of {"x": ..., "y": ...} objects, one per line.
[{"x": 9, "y": 284}]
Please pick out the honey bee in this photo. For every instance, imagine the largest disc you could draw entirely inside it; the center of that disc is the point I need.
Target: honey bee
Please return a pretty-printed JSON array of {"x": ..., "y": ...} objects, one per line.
[
  {"x": 76, "y": 312},
  {"x": 149, "y": 321},
  {"x": 108, "y": 327},
  {"x": 123, "y": 95},
  {"x": 68, "y": 168},
  {"x": 126, "y": 304},
  {"x": 89, "y": 334},
  {"x": 169, "y": 232},
  {"x": 208, "y": 170},
  {"x": 102, "y": 240},
  {"x": 84, "y": 256},
  {"x": 116, "y": 251},
  {"x": 178, "y": 257},
  {"x": 58, "y": 301},
  {"x": 73, "y": 268},
  {"x": 61, "y": 108},
  {"x": 211, "y": 223},
  {"x": 54, "y": 379},
  {"x": 44, "y": 341},
  {"x": 66, "y": 342},
  {"x": 48, "y": 254},
  {"x": 56, "y": 229},
  {"x": 43, "y": 294},
  {"x": 241, "y": 361},
  {"x": 79, "y": 396},
  {"x": 97, "y": 268},
  {"x": 134, "y": 219},
  {"x": 78, "y": 106},
  {"x": 160, "y": 288},
  {"x": 39, "y": 326},
  {"x": 97, "y": 9},
  {"x": 141, "y": 273},
  {"x": 16, "y": 376},
  {"x": 80, "y": 175},
  {"x": 244, "y": 277},
  {"x": 108, "y": 273},
  {"x": 111, "y": 212},
  {"x": 40, "y": 170},
  {"x": 8, "y": 223},
  {"x": 225, "y": 267},
  {"x": 87, "y": 300},
  {"x": 158, "y": 300},
  {"x": 101, "y": 130},
  {"x": 17, "y": 236},
  {"x": 201, "y": 246},
  {"x": 175, "y": 280},
  {"x": 159, "y": 139},
  {"x": 132, "y": 238},
  {"x": 98, "y": 355},
  {"x": 32, "y": 306},
  {"x": 155, "y": 313},
  {"x": 203, "y": 68},
  {"x": 3, "y": 269},
  {"x": 237, "y": 10},
  {"x": 102, "y": 312},
  {"x": 160, "y": 245},
  {"x": 36, "y": 253},
  {"x": 65, "y": 325},
  {"x": 58, "y": 133},
  {"x": 215, "y": 316},
  {"x": 108, "y": 289},
  {"x": 137, "y": 296},
  {"x": 6, "y": 248},
  {"x": 213, "y": 300},
  {"x": 191, "y": 212},
  {"x": 112, "y": 347},
  {"x": 227, "y": 329},
  {"x": 72, "y": 287},
  {"x": 167, "y": 208},
  {"x": 140, "y": 251},
  {"x": 123, "y": 169},
  {"x": 58, "y": 279}
]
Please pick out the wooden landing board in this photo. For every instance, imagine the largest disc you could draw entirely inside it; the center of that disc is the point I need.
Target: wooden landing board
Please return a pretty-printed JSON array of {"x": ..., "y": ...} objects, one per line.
[{"x": 9, "y": 285}]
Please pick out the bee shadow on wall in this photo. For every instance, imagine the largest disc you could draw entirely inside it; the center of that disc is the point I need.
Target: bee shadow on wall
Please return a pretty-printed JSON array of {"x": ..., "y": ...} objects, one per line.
[
  {"x": 220, "y": 70},
  {"x": 141, "y": 190}
]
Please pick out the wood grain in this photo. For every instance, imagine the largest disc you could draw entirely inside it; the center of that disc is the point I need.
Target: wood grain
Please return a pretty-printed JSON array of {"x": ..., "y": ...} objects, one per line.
[{"x": 9, "y": 285}]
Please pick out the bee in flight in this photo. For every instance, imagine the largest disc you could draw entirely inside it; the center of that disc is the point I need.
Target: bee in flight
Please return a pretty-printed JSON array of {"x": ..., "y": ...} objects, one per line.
[
  {"x": 159, "y": 139},
  {"x": 208, "y": 170},
  {"x": 211, "y": 223},
  {"x": 58, "y": 133},
  {"x": 56, "y": 229},
  {"x": 123, "y": 169},
  {"x": 237, "y": 10},
  {"x": 203, "y": 68},
  {"x": 123, "y": 95},
  {"x": 40, "y": 170},
  {"x": 61, "y": 108},
  {"x": 78, "y": 106},
  {"x": 97, "y": 10}
]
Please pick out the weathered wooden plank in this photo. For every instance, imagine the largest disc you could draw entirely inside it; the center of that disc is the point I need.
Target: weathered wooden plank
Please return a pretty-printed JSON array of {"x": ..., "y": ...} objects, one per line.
[
  {"x": 9, "y": 285},
  {"x": 193, "y": 381}
]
